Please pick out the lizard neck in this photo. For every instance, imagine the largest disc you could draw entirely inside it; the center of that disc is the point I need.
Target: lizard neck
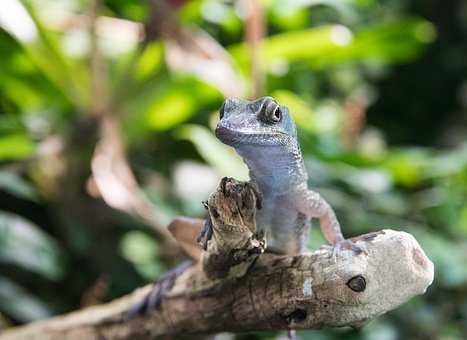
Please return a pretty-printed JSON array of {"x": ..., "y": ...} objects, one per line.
[{"x": 276, "y": 169}]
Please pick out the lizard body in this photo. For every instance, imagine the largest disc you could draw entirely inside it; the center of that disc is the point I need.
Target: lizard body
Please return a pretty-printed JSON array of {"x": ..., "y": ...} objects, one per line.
[{"x": 263, "y": 133}]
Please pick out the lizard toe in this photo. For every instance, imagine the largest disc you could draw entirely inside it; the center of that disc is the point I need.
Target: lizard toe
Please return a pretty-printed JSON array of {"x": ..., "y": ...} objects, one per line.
[{"x": 342, "y": 248}]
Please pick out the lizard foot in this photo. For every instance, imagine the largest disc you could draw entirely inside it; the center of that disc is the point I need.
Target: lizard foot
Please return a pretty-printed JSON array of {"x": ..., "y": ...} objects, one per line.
[
  {"x": 154, "y": 298},
  {"x": 346, "y": 245}
]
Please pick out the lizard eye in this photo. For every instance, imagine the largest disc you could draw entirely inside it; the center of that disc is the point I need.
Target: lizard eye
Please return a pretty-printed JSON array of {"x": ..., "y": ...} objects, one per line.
[
  {"x": 271, "y": 112},
  {"x": 276, "y": 114}
]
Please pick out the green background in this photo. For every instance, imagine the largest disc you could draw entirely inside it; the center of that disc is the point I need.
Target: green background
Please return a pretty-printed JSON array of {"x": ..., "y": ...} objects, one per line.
[{"x": 378, "y": 90}]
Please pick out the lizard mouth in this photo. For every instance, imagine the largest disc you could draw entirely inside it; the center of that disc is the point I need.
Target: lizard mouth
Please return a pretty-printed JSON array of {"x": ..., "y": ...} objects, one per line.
[
  {"x": 230, "y": 136},
  {"x": 226, "y": 135}
]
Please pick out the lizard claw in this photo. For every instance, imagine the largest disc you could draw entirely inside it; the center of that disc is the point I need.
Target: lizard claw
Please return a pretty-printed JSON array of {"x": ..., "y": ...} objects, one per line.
[
  {"x": 346, "y": 245},
  {"x": 154, "y": 298},
  {"x": 206, "y": 234}
]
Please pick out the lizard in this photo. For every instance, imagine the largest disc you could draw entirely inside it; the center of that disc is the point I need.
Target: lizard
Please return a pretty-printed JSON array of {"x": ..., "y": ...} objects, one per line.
[{"x": 263, "y": 133}]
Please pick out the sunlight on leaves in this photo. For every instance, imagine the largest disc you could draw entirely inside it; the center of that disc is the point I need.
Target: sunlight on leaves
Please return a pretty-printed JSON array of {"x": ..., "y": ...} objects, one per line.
[
  {"x": 15, "y": 146},
  {"x": 327, "y": 45},
  {"x": 15, "y": 19},
  {"x": 69, "y": 76},
  {"x": 170, "y": 110},
  {"x": 177, "y": 102},
  {"x": 150, "y": 60}
]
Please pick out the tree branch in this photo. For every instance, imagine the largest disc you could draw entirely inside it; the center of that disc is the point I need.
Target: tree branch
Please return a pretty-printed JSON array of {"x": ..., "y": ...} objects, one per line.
[{"x": 233, "y": 288}]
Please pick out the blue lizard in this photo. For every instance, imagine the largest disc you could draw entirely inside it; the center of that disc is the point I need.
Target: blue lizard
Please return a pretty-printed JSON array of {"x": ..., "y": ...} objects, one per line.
[{"x": 263, "y": 133}]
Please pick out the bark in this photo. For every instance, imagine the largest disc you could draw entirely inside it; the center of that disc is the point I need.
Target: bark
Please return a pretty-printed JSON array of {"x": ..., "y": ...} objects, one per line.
[{"x": 235, "y": 287}]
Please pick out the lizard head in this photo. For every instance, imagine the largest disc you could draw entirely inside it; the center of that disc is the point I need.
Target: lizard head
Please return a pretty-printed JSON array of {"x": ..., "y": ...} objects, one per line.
[{"x": 260, "y": 122}]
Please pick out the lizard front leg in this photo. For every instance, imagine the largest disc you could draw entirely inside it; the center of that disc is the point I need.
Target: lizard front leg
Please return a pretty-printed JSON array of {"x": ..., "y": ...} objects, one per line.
[{"x": 314, "y": 206}]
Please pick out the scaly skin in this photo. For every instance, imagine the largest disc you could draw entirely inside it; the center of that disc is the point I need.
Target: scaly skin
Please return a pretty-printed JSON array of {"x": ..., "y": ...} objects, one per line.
[{"x": 264, "y": 135}]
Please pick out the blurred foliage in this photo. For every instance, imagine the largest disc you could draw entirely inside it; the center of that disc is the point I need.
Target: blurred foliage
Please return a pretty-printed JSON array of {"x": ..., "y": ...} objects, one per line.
[{"x": 378, "y": 91}]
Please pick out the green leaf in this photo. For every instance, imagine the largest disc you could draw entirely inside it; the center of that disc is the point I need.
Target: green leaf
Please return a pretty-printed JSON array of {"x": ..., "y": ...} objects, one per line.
[
  {"x": 462, "y": 221},
  {"x": 328, "y": 45},
  {"x": 409, "y": 167},
  {"x": 20, "y": 304},
  {"x": 140, "y": 249},
  {"x": 164, "y": 103},
  {"x": 304, "y": 117},
  {"x": 177, "y": 102},
  {"x": 150, "y": 61},
  {"x": 294, "y": 14},
  {"x": 17, "y": 186},
  {"x": 24, "y": 244},
  {"x": 222, "y": 157},
  {"x": 69, "y": 76},
  {"x": 23, "y": 82},
  {"x": 15, "y": 146}
]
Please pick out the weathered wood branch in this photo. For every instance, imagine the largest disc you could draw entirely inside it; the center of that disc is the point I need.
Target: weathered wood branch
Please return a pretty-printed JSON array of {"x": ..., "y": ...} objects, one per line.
[{"x": 258, "y": 292}]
